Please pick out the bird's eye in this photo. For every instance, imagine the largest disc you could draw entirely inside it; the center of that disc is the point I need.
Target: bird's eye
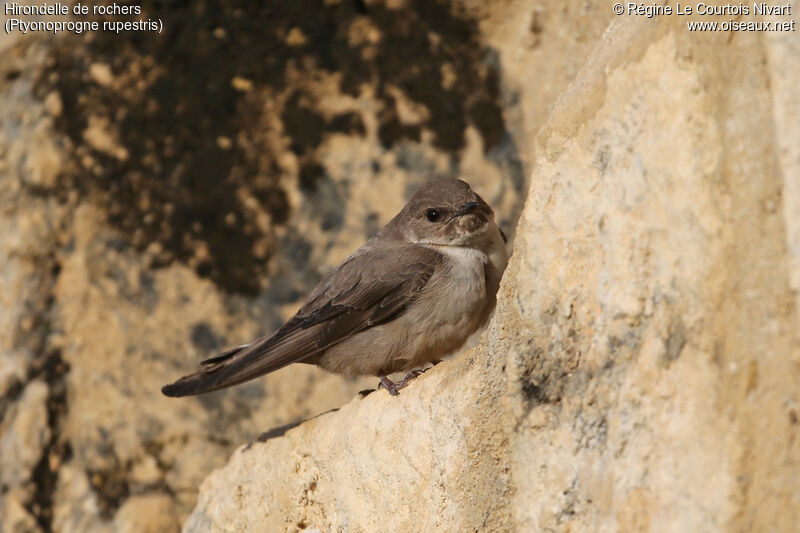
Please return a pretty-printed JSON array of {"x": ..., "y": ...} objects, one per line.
[{"x": 433, "y": 215}]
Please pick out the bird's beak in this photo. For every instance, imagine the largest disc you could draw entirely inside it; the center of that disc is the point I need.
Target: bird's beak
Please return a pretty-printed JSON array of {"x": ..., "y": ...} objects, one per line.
[{"x": 466, "y": 208}]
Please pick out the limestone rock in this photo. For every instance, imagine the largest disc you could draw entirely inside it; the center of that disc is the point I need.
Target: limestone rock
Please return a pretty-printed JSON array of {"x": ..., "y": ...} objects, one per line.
[
  {"x": 641, "y": 371},
  {"x": 418, "y": 461},
  {"x": 14, "y": 518},
  {"x": 662, "y": 377},
  {"x": 23, "y": 435},
  {"x": 159, "y": 203},
  {"x": 151, "y": 513},
  {"x": 24, "y": 432},
  {"x": 645, "y": 341}
]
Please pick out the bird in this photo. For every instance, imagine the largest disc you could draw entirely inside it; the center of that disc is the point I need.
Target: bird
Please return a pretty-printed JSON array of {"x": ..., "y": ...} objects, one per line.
[{"x": 411, "y": 295}]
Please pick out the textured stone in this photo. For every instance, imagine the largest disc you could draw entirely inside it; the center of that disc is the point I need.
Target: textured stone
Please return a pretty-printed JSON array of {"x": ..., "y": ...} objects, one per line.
[
  {"x": 151, "y": 513},
  {"x": 23, "y": 434},
  {"x": 147, "y": 224},
  {"x": 336, "y": 470},
  {"x": 641, "y": 370},
  {"x": 14, "y": 518},
  {"x": 657, "y": 216},
  {"x": 646, "y": 336}
]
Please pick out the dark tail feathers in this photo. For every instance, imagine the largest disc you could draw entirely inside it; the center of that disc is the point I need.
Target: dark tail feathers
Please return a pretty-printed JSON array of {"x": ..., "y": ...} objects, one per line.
[{"x": 199, "y": 382}]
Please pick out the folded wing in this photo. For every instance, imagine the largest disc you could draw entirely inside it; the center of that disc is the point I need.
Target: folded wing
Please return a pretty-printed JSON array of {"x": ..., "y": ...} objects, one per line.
[{"x": 371, "y": 287}]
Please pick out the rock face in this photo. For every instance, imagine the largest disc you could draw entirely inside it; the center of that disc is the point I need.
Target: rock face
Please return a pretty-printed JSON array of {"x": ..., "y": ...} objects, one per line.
[
  {"x": 641, "y": 371},
  {"x": 163, "y": 197}
]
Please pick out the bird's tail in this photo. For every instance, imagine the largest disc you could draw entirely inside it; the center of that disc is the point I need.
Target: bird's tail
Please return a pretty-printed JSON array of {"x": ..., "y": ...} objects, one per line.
[
  {"x": 289, "y": 344},
  {"x": 203, "y": 380}
]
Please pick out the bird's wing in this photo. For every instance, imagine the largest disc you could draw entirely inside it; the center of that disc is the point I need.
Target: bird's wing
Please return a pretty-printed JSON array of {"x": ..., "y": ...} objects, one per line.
[{"x": 372, "y": 286}]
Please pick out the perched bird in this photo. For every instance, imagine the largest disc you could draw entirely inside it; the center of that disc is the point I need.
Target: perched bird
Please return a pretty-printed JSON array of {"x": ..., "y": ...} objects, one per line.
[{"x": 410, "y": 295}]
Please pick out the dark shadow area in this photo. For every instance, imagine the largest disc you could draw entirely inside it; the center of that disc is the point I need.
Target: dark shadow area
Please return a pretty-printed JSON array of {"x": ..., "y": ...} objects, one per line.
[
  {"x": 281, "y": 430},
  {"x": 190, "y": 168}
]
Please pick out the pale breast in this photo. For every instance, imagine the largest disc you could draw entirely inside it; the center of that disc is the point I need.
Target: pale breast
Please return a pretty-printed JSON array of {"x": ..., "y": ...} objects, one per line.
[
  {"x": 455, "y": 303},
  {"x": 453, "y": 308},
  {"x": 462, "y": 283}
]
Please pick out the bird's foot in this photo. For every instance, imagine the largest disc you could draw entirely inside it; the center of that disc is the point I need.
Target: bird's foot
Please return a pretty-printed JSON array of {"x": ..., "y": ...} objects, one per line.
[
  {"x": 394, "y": 388},
  {"x": 411, "y": 375},
  {"x": 389, "y": 385}
]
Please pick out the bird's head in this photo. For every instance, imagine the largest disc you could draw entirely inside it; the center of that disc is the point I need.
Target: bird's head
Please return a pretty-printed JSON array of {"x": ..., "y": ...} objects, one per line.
[{"x": 445, "y": 212}]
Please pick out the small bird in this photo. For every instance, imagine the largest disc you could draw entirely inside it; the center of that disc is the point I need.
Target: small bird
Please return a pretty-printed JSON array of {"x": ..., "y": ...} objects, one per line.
[{"x": 412, "y": 294}]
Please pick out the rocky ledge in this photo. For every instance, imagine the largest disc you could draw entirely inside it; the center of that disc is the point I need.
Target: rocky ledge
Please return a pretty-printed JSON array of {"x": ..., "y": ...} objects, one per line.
[{"x": 641, "y": 371}]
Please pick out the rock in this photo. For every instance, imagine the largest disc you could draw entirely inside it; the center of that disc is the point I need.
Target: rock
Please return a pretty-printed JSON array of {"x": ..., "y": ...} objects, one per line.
[
  {"x": 651, "y": 405},
  {"x": 645, "y": 339},
  {"x": 23, "y": 435},
  {"x": 422, "y": 444},
  {"x": 641, "y": 369},
  {"x": 151, "y": 513},
  {"x": 148, "y": 224},
  {"x": 101, "y": 73},
  {"x": 14, "y": 518},
  {"x": 783, "y": 56},
  {"x": 76, "y": 507}
]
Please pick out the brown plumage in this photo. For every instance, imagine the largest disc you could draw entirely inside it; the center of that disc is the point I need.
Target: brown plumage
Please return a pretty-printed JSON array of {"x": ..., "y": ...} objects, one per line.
[{"x": 412, "y": 294}]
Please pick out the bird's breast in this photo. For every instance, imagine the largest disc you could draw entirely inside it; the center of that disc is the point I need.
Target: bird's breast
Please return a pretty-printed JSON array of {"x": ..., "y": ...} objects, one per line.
[{"x": 456, "y": 296}]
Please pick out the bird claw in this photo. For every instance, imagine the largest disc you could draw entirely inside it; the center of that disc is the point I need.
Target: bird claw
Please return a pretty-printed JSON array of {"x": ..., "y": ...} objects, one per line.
[
  {"x": 389, "y": 385},
  {"x": 411, "y": 375},
  {"x": 394, "y": 388}
]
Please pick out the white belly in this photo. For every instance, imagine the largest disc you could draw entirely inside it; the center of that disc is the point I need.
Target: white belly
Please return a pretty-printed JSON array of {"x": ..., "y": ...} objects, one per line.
[{"x": 462, "y": 287}]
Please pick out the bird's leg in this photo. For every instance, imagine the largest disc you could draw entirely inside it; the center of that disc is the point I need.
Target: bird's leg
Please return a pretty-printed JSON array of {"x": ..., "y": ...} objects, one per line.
[
  {"x": 411, "y": 375},
  {"x": 394, "y": 388},
  {"x": 389, "y": 385}
]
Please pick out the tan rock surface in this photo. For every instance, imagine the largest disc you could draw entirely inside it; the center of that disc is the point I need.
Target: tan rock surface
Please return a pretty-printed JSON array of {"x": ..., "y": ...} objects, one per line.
[
  {"x": 641, "y": 372},
  {"x": 421, "y": 461},
  {"x": 667, "y": 396},
  {"x": 161, "y": 199},
  {"x": 642, "y": 369},
  {"x": 23, "y": 435}
]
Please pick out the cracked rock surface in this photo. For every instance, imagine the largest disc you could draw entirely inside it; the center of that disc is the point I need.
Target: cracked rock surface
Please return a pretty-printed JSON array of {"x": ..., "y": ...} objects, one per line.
[
  {"x": 641, "y": 371},
  {"x": 162, "y": 198}
]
